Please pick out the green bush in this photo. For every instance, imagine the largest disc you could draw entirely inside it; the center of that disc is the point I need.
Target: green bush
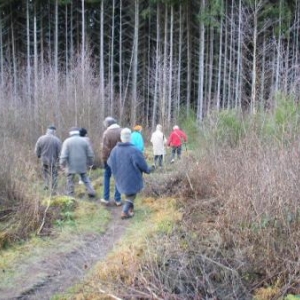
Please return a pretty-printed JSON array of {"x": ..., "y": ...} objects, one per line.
[
  {"x": 282, "y": 124},
  {"x": 190, "y": 126},
  {"x": 225, "y": 127}
]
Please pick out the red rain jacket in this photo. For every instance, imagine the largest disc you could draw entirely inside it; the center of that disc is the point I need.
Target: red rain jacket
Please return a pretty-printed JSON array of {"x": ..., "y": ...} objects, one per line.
[{"x": 176, "y": 138}]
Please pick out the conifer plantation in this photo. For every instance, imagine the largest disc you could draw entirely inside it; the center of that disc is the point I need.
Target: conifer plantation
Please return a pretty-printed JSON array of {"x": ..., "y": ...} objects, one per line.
[{"x": 226, "y": 71}]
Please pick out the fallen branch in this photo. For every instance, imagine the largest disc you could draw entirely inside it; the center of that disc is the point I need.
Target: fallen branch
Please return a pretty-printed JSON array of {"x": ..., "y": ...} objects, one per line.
[
  {"x": 189, "y": 180},
  {"x": 44, "y": 216},
  {"x": 108, "y": 294}
]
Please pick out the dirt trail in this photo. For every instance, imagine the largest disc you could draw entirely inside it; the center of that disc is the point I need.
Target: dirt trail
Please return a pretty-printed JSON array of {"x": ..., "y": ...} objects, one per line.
[{"x": 56, "y": 272}]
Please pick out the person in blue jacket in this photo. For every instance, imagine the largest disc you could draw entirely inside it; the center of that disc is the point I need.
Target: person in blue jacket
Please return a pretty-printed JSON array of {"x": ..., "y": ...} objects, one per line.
[
  {"x": 128, "y": 164},
  {"x": 137, "y": 138}
]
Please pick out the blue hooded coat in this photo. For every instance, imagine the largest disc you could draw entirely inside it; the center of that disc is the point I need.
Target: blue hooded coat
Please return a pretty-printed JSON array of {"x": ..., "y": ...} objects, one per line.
[{"x": 128, "y": 164}]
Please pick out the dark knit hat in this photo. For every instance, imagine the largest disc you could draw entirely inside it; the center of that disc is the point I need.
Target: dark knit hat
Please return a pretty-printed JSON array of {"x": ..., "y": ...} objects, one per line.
[
  {"x": 83, "y": 132},
  {"x": 52, "y": 127}
]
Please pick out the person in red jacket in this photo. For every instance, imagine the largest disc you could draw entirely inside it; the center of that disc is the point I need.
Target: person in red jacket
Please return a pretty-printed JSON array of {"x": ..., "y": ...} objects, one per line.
[{"x": 176, "y": 139}]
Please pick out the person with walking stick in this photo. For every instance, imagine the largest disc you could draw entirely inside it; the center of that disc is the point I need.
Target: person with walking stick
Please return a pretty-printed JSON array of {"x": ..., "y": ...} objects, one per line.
[{"x": 175, "y": 141}]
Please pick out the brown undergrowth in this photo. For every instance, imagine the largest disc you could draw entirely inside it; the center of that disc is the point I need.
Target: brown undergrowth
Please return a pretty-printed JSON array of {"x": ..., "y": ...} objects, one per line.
[
  {"x": 259, "y": 220},
  {"x": 19, "y": 207},
  {"x": 237, "y": 237},
  {"x": 23, "y": 209}
]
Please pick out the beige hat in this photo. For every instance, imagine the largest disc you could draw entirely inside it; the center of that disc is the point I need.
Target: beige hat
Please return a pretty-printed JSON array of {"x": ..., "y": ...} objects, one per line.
[{"x": 125, "y": 135}]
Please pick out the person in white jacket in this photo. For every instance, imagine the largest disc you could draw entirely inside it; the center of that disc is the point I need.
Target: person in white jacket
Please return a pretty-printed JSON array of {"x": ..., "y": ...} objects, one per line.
[{"x": 158, "y": 141}]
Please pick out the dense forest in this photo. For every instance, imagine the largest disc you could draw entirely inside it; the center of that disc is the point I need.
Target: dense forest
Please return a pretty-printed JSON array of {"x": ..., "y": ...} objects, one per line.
[
  {"x": 146, "y": 61},
  {"x": 225, "y": 71}
]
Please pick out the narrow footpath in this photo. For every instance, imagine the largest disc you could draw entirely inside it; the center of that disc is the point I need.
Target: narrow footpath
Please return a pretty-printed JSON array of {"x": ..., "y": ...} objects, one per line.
[{"x": 59, "y": 270}]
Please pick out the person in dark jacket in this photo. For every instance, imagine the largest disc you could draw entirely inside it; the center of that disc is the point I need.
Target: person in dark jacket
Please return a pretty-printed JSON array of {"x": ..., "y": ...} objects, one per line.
[
  {"x": 47, "y": 149},
  {"x": 84, "y": 134},
  {"x": 111, "y": 137},
  {"x": 128, "y": 164},
  {"x": 76, "y": 156}
]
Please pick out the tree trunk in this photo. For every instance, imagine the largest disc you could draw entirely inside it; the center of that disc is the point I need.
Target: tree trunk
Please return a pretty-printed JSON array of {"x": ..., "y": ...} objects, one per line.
[
  {"x": 211, "y": 66},
  {"x": 225, "y": 62},
  {"x": 101, "y": 71},
  {"x": 55, "y": 117},
  {"x": 201, "y": 67},
  {"x": 112, "y": 54},
  {"x": 1, "y": 54},
  {"x": 35, "y": 51},
  {"x": 178, "y": 93},
  {"x": 165, "y": 67},
  {"x": 253, "y": 80},
  {"x": 189, "y": 62},
  {"x": 238, "y": 75},
  {"x": 121, "y": 100},
  {"x": 28, "y": 71},
  {"x": 82, "y": 45},
  {"x": 157, "y": 70},
  {"x": 134, "y": 101},
  {"x": 277, "y": 76},
  {"x": 220, "y": 55},
  {"x": 14, "y": 62},
  {"x": 170, "y": 88}
]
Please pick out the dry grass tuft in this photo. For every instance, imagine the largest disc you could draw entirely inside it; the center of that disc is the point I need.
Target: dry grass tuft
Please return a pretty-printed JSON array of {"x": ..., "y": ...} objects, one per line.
[
  {"x": 188, "y": 178},
  {"x": 19, "y": 208}
]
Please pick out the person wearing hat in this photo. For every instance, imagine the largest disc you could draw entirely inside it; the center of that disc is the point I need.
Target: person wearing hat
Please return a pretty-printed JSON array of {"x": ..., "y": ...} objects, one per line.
[
  {"x": 83, "y": 133},
  {"x": 76, "y": 156},
  {"x": 175, "y": 141},
  {"x": 158, "y": 141},
  {"x": 111, "y": 136},
  {"x": 137, "y": 138},
  {"x": 128, "y": 164},
  {"x": 47, "y": 149}
]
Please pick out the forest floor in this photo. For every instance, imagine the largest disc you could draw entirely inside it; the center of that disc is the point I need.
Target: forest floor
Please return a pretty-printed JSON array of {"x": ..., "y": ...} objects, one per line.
[
  {"x": 52, "y": 265},
  {"x": 43, "y": 274}
]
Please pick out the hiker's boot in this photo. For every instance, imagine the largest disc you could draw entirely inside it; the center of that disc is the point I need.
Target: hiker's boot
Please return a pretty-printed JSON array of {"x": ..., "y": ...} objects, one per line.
[{"x": 126, "y": 216}]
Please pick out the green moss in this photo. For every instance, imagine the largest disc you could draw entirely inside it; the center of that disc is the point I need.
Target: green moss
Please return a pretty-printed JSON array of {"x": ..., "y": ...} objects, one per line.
[{"x": 60, "y": 201}]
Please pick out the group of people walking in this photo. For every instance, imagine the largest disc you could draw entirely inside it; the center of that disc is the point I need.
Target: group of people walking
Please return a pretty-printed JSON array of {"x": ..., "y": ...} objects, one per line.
[
  {"x": 176, "y": 139},
  {"x": 75, "y": 155},
  {"x": 122, "y": 156}
]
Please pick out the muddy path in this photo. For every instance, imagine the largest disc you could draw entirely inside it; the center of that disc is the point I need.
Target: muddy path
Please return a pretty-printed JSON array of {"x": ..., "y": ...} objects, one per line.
[{"x": 59, "y": 270}]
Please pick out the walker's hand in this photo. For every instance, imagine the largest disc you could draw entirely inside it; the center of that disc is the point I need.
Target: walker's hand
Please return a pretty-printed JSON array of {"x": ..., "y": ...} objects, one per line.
[{"x": 152, "y": 168}]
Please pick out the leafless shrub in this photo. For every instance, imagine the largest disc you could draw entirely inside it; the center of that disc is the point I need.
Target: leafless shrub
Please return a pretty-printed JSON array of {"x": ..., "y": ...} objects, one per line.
[
  {"x": 260, "y": 217},
  {"x": 184, "y": 270},
  {"x": 187, "y": 178},
  {"x": 19, "y": 207},
  {"x": 240, "y": 227}
]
